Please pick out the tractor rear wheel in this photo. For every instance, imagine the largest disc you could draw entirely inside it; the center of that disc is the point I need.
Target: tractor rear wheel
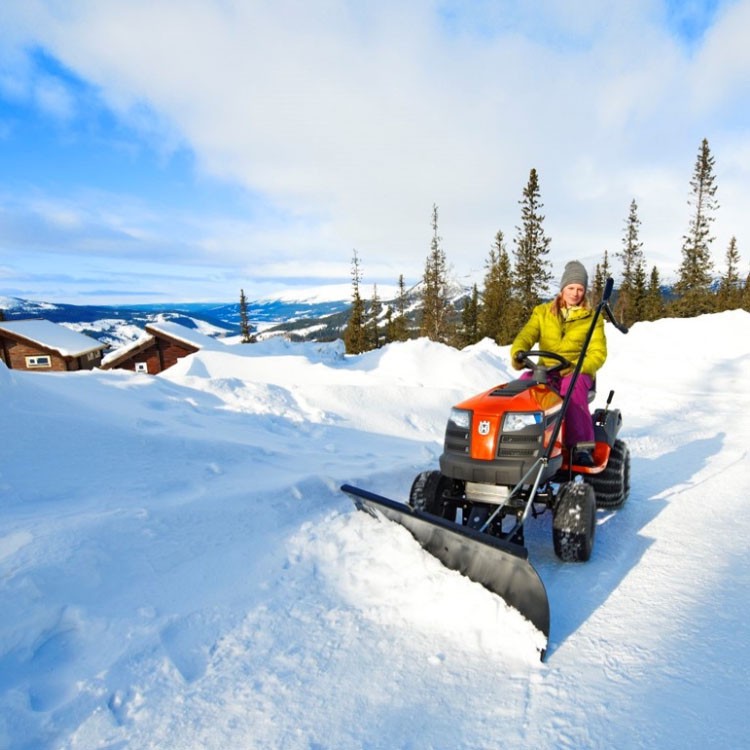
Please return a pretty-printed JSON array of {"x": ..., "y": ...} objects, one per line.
[
  {"x": 427, "y": 492},
  {"x": 574, "y": 522},
  {"x": 612, "y": 486}
]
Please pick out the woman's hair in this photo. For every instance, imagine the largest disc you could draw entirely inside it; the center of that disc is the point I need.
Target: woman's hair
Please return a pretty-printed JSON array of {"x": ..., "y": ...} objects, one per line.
[{"x": 557, "y": 303}]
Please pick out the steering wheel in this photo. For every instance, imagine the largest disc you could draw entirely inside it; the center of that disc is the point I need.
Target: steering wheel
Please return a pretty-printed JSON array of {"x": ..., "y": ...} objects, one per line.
[{"x": 523, "y": 358}]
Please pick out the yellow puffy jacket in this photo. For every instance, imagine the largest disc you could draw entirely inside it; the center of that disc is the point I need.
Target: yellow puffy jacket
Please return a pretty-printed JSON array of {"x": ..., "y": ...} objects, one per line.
[{"x": 564, "y": 337}]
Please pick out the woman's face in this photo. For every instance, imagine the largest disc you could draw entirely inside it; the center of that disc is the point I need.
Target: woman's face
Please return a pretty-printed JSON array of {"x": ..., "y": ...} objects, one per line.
[{"x": 573, "y": 294}]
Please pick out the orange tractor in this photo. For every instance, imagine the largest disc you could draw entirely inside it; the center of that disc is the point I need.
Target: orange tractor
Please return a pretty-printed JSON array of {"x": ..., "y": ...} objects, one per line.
[{"x": 503, "y": 461}]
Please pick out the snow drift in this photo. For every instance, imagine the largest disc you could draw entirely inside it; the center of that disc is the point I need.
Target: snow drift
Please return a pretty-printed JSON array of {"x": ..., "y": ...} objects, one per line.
[{"x": 178, "y": 568}]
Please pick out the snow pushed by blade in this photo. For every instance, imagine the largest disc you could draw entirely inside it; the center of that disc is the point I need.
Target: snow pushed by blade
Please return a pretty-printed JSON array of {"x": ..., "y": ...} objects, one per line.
[
  {"x": 179, "y": 569},
  {"x": 411, "y": 591}
]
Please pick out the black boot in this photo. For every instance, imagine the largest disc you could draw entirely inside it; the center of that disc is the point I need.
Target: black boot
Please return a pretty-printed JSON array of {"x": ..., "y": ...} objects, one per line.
[{"x": 583, "y": 458}]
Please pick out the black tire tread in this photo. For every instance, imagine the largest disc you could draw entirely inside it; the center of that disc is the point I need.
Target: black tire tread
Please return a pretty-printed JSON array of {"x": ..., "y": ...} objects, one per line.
[
  {"x": 612, "y": 486},
  {"x": 427, "y": 492},
  {"x": 574, "y": 522}
]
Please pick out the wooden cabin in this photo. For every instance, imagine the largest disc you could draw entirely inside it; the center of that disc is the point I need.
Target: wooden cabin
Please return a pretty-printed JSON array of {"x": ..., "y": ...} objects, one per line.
[
  {"x": 45, "y": 346},
  {"x": 159, "y": 348}
]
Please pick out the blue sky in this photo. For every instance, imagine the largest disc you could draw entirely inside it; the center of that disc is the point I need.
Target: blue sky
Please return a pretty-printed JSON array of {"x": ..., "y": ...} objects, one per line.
[{"x": 165, "y": 150}]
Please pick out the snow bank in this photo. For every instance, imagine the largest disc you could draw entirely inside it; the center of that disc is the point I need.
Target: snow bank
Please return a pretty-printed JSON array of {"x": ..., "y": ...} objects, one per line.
[{"x": 179, "y": 569}]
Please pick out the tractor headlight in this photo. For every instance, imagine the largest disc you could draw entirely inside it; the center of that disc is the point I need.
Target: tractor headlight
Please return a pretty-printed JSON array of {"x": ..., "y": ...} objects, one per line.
[
  {"x": 515, "y": 421},
  {"x": 461, "y": 418}
]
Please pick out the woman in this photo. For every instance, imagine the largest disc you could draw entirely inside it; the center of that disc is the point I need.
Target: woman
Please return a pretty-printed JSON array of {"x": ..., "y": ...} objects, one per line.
[{"x": 561, "y": 327}]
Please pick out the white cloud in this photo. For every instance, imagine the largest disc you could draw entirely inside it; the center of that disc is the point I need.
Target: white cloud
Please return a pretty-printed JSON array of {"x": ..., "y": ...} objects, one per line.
[
  {"x": 722, "y": 70},
  {"x": 351, "y": 120}
]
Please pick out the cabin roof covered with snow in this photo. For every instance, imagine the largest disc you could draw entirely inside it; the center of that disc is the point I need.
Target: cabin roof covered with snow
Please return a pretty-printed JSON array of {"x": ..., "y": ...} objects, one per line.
[
  {"x": 124, "y": 351},
  {"x": 190, "y": 336},
  {"x": 49, "y": 335},
  {"x": 160, "y": 337}
]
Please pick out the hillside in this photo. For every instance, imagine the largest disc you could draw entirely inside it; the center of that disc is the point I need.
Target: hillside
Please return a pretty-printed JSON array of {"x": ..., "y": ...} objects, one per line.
[
  {"x": 121, "y": 324},
  {"x": 186, "y": 574},
  {"x": 315, "y": 314}
]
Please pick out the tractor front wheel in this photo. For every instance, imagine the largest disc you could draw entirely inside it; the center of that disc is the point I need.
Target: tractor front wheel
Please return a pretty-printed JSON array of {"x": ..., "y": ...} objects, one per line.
[{"x": 427, "y": 492}]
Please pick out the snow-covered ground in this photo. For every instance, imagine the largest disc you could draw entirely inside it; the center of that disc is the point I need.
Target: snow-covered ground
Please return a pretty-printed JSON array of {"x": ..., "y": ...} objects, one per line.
[{"x": 178, "y": 568}]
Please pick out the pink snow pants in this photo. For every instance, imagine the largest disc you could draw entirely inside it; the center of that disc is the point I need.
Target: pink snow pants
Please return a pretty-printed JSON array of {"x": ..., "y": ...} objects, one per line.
[{"x": 579, "y": 427}]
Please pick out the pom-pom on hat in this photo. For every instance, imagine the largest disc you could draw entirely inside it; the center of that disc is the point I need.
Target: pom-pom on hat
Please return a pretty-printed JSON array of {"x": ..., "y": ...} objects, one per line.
[{"x": 574, "y": 273}]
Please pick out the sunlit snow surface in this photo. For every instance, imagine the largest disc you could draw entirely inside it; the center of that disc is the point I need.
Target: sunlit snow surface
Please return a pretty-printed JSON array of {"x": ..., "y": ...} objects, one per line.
[{"x": 178, "y": 568}]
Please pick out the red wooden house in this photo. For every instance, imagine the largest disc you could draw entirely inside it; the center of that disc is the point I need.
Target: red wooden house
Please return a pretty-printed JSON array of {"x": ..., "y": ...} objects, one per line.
[
  {"x": 46, "y": 346},
  {"x": 162, "y": 345}
]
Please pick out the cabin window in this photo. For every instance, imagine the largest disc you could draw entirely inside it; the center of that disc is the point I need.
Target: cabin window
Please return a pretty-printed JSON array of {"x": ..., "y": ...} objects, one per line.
[
  {"x": 141, "y": 367},
  {"x": 38, "y": 361},
  {"x": 92, "y": 355}
]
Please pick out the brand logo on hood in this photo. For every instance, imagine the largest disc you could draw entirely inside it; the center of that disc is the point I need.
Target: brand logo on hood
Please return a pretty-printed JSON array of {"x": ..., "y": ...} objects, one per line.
[{"x": 483, "y": 428}]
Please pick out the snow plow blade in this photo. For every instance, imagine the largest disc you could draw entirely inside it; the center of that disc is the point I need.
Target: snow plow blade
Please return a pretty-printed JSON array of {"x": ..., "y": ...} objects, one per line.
[{"x": 500, "y": 566}]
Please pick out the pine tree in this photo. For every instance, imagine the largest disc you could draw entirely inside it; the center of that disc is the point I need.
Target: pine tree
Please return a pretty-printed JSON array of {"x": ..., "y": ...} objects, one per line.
[
  {"x": 746, "y": 294},
  {"x": 601, "y": 273},
  {"x": 469, "y": 332},
  {"x": 435, "y": 305},
  {"x": 729, "y": 296},
  {"x": 400, "y": 323},
  {"x": 247, "y": 336},
  {"x": 693, "y": 287},
  {"x": 499, "y": 317},
  {"x": 2, "y": 315},
  {"x": 653, "y": 306},
  {"x": 632, "y": 292},
  {"x": 532, "y": 274},
  {"x": 389, "y": 328},
  {"x": 376, "y": 309},
  {"x": 354, "y": 333},
  {"x": 640, "y": 291}
]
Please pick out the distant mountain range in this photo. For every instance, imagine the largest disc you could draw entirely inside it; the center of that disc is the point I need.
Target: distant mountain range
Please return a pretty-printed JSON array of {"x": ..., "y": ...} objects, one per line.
[
  {"x": 318, "y": 316},
  {"x": 116, "y": 325}
]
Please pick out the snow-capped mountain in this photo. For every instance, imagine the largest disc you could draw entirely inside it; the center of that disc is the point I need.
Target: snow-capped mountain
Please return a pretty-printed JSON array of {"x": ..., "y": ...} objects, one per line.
[
  {"x": 311, "y": 314},
  {"x": 120, "y": 324}
]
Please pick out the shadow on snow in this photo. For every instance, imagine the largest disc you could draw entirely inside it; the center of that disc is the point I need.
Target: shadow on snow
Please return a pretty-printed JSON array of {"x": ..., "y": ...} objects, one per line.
[{"x": 575, "y": 591}]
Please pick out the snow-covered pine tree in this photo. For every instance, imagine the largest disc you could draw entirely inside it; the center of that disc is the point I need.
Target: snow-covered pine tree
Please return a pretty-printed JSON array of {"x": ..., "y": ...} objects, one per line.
[
  {"x": 693, "y": 287},
  {"x": 435, "y": 323},
  {"x": 729, "y": 296},
  {"x": 354, "y": 333},
  {"x": 601, "y": 273},
  {"x": 400, "y": 323},
  {"x": 376, "y": 308},
  {"x": 653, "y": 306},
  {"x": 469, "y": 332},
  {"x": 632, "y": 292},
  {"x": 499, "y": 317},
  {"x": 532, "y": 274},
  {"x": 388, "y": 337},
  {"x": 247, "y": 337}
]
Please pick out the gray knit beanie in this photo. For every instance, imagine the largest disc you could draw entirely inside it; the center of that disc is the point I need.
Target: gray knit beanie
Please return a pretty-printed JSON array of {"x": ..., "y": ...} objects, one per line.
[{"x": 574, "y": 273}]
